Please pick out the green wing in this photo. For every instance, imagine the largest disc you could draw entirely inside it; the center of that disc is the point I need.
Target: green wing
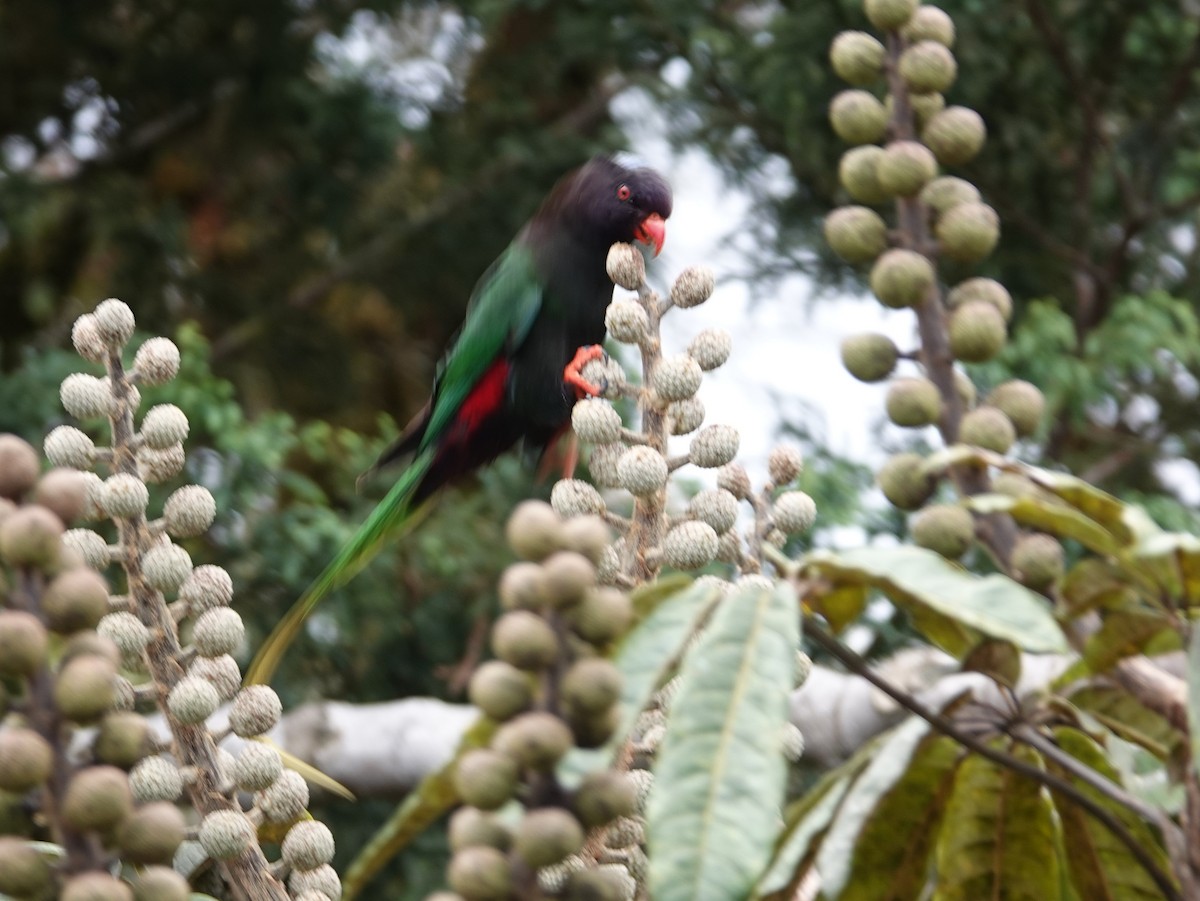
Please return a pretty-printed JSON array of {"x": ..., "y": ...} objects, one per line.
[{"x": 501, "y": 311}]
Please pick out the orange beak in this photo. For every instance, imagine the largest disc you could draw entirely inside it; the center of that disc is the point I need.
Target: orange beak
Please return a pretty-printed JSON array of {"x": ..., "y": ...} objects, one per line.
[{"x": 653, "y": 230}]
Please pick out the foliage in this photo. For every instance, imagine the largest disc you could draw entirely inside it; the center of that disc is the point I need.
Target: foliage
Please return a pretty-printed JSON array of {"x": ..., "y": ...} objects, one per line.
[
  {"x": 285, "y": 500},
  {"x": 953, "y": 608},
  {"x": 115, "y": 651},
  {"x": 297, "y": 202},
  {"x": 721, "y": 768},
  {"x": 1030, "y": 803},
  {"x": 302, "y": 222},
  {"x": 1089, "y": 165}
]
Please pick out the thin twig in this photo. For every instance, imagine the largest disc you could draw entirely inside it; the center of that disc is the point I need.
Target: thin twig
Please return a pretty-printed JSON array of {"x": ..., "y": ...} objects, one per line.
[
  {"x": 645, "y": 532},
  {"x": 1027, "y": 734}
]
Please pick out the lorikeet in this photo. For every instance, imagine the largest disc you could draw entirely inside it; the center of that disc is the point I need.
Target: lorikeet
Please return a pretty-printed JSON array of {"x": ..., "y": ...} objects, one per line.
[{"x": 512, "y": 371}]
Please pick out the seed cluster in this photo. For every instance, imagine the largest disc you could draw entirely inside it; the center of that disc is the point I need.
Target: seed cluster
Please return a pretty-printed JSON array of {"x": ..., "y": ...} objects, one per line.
[
  {"x": 550, "y": 690},
  {"x": 638, "y": 462},
  {"x": 901, "y": 141},
  {"x": 128, "y": 798}
]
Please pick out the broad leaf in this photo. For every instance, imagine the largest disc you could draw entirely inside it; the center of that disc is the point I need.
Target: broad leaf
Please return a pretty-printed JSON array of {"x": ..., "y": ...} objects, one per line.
[
  {"x": 1127, "y": 523},
  {"x": 713, "y": 816},
  {"x": 941, "y": 461},
  {"x": 1094, "y": 518},
  {"x": 1175, "y": 562},
  {"x": 1051, "y": 516},
  {"x": 1094, "y": 583},
  {"x": 891, "y": 854},
  {"x": 645, "y": 656},
  {"x": 890, "y": 762},
  {"x": 647, "y": 598},
  {"x": 801, "y": 837},
  {"x": 1001, "y": 660},
  {"x": 1124, "y": 633},
  {"x": 425, "y": 804},
  {"x": 841, "y": 605},
  {"x": 1125, "y": 716},
  {"x": 944, "y": 631},
  {"x": 1101, "y": 866},
  {"x": 914, "y": 577},
  {"x": 806, "y": 818},
  {"x": 1193, "y": 694},
  {"x": 998, "y": 836}
]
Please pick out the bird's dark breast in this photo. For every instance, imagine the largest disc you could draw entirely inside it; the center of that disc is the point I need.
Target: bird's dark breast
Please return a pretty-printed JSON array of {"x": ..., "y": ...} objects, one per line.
[
  {"x": 537, "y": 392},
  {"x": 577, "y": 291}
]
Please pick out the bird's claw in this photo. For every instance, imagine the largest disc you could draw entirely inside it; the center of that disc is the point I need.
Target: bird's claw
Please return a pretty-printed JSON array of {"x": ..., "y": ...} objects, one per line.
[{"x": 573, "y": 373}]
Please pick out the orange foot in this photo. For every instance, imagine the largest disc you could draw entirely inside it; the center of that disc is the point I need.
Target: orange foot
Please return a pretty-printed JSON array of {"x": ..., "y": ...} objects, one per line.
[{"x": 573, "y": 374}]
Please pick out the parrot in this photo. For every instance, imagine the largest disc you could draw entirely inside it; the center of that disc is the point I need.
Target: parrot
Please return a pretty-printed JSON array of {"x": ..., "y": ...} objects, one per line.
[{"x": 513, "y": 371}]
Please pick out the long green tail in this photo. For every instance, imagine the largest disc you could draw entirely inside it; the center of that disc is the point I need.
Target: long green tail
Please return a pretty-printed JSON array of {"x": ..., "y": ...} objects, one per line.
[{"x": 389, "y": 515}]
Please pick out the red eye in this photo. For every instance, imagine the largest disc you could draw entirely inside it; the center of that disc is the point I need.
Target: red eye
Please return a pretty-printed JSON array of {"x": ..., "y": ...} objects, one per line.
[{"x": 623, "y": 192}]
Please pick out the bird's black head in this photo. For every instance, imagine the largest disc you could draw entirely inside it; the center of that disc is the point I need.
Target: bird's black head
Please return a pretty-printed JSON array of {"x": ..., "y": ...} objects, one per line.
[{"x": 607, "y": 202}]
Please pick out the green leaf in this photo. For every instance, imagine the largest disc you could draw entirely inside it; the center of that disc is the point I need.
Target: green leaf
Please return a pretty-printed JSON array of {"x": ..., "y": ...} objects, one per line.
[
  {"x": 806, "y": 818},
  {"x": 644, "y": 657},
  {"x": 842, "y": 605},
  {"x": 1101, "y": 866},
  {"x": 940, "y": 461},
  {"x": 889, "y": 763},
  {"x": 1001, "y": 660},
  {"x": 1128, "y": 524},
  {"x": 1193, "y": 694},
  {"x": 799, "y": 838},
  {"x": 1093, "y": 583},
  {"x": 1125, "y": 716},
  {"x": 720, "y": 774},
  {"x": 917, "y": 578},
  {"x": 423, "y": 806},
  {"x": 943, "y": 631},
  {"x": 1096, "y": 519},
  {"x": 647, "y": 598},
  {"x": 997, "y": 837},
  {"x": 899, "y": 782},
  {"x": 1178, "y": 558},
  {"x": 1124, "y": 633},
  {"x": 891, "y": 857},
  {"x": 1050, "y": 516}
]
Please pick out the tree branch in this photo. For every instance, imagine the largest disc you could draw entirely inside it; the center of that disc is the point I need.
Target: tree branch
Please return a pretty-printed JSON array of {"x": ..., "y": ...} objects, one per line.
[
  {"x": 1093, "y": 120},
  {"x": 860, "y": 667},
  {"x": 1027, "y": 734},
  {"x": 996, "y": 531}
]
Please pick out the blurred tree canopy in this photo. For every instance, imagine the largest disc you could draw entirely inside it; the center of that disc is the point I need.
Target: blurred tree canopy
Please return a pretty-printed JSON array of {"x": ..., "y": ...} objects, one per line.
[
  {"x": 303, "y": 193},
  {"x": 303, "y": 198},
  {"x": 322, "y": 182},
  {"x": 317, "y": 186}
]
